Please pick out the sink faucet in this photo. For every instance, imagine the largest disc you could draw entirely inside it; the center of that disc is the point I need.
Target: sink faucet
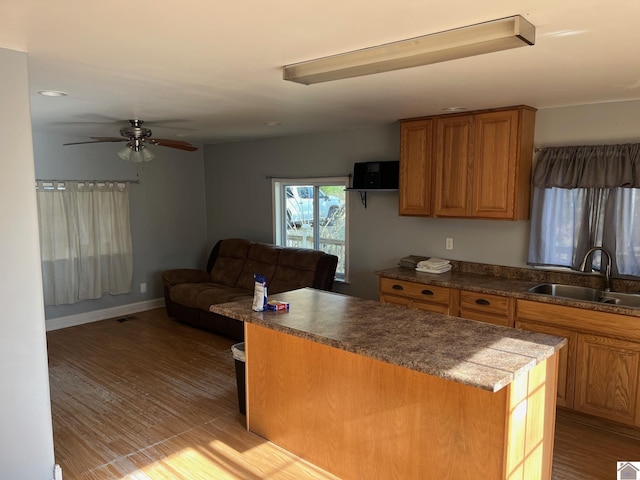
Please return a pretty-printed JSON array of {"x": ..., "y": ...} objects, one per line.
[{"x": 607, "y": 271}]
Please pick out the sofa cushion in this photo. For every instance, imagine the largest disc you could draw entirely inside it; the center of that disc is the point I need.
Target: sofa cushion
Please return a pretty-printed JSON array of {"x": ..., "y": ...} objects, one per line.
[
  {"x": 187, "y": 293},
  {"x": 262, "y": 258},
  {"x": 231, "y": 258},
  {"x": 221, "y": 294},
  {"x": 296, "y": 269},
  {"x": 183, "y": 275}
]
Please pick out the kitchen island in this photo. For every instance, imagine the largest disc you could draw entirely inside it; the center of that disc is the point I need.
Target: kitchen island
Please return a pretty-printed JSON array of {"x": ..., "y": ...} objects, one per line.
[{"x": 365, "y": 390}]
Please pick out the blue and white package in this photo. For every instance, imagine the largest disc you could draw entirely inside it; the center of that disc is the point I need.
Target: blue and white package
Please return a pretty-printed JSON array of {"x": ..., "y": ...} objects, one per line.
[{"x": 259, "y": 293}]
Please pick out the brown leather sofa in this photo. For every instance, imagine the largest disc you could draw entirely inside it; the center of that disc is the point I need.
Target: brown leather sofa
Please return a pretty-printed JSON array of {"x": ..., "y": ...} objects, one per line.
[{"x": 229, "y": 275}]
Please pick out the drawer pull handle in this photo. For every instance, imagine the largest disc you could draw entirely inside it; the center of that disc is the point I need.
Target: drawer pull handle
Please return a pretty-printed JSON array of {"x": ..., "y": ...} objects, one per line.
[
  {"x": 427, "y": 292},
  {"x": 397, "y": 287},
  {"x": 482, "y": 301}
]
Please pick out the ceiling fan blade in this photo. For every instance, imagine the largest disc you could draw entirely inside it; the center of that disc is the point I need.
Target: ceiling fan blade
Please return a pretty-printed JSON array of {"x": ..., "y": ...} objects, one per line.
[
  {"x": 179, "y": 144},
  {"x": 98, "y": 141},
  {"x": 110, "y": 139}
]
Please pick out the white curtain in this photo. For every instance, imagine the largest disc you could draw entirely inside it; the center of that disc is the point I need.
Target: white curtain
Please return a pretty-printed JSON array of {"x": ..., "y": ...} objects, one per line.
[{"x": 85, "y": 240}]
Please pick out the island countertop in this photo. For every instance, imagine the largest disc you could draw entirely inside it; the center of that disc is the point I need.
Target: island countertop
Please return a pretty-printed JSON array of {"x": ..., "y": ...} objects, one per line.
[{"x": 473, "y": 353}]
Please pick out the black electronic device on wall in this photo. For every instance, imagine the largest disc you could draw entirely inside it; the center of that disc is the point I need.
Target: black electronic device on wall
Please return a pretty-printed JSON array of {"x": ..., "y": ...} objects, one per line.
[{"x": 376, "y": 175}]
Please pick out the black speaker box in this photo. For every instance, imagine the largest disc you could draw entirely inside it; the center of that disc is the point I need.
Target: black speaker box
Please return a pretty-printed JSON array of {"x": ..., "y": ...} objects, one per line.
[{"x": 372, "y": 175}]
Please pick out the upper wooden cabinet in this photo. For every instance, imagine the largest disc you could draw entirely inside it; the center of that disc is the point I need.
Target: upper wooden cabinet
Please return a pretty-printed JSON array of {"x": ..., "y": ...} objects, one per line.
[
  {"x": 478, "y": 165},
  {"x": 452, "y": 174},
  {"x": 416, "y": 153}
]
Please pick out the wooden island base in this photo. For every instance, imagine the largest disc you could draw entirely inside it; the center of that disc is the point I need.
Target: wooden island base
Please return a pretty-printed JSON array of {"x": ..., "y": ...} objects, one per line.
[{"x": 359, "y": 418}]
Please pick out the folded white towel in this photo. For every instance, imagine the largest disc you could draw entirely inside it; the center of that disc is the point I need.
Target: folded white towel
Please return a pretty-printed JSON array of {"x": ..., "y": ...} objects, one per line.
[
  {"x": 433, "y": 263},
  {"x": 444, "y": 269}
]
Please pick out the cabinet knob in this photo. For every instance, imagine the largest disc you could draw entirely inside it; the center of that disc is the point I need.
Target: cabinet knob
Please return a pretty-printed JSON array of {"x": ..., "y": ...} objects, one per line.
[
  {"x": 397, "y": 287},
  {"x": 427, "y": 292},
  {"x": 482, "y": 301}
]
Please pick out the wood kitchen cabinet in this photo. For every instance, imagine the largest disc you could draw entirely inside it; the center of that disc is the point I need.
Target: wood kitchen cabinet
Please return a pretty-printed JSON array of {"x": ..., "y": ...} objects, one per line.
[
  {"x": 417, "y": 295},
  {"x": 480, "y": 164},
  {"x": 416, "y": 140},
  {"x": 496, "y": 309},
  {"x": 608, "y": 372},
  {"x": 566, "y": 359},
  {"x": 452, "y": 170},
  {"x": 599, "y": 370}
]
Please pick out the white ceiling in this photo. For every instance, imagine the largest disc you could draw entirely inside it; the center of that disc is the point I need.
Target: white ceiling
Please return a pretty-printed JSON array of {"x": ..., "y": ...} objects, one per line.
[{"x": 209, "y": 71}]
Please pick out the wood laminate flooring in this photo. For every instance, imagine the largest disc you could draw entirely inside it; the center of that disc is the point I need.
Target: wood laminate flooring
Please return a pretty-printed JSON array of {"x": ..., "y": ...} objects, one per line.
[{"x": 150, "y": 398}]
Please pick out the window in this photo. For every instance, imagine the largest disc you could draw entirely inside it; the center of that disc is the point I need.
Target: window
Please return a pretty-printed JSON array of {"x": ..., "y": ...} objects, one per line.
[
  {"x": 584, "y": 197},
  {"x": 85, "y": 240},
  {"x": 312, "y": 213}
]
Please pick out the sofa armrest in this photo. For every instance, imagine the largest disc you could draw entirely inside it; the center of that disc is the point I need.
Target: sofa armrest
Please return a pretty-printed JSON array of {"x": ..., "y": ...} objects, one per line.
[
  {"x": 184, "y": 275},
  {"x": 325, "y": 272}
]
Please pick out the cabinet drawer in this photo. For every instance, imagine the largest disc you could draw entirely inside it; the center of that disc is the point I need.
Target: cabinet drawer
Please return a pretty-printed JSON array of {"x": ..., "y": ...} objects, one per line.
[
  {"x": 483, "y": 302},
  {"x": 417, "y": 291}
]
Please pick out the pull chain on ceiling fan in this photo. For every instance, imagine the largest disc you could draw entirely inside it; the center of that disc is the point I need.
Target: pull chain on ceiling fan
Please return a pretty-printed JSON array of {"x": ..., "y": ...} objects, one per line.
[{"x": 137, "y": 138}]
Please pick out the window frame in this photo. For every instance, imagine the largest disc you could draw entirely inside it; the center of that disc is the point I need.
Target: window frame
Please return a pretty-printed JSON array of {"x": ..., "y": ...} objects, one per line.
[{"x": 279, "y": 211}]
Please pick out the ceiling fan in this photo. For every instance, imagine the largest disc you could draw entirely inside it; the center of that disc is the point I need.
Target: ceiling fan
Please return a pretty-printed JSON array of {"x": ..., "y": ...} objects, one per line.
[{"x": 137, "y": 138}]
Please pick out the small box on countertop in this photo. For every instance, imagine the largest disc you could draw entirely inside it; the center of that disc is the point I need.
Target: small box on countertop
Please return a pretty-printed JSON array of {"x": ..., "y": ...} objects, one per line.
[{"x": 277, "y": 306}]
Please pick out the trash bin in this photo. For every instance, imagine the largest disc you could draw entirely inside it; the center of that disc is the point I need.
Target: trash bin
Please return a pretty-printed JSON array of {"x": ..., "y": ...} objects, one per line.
[{"x": 238, "y": 356}]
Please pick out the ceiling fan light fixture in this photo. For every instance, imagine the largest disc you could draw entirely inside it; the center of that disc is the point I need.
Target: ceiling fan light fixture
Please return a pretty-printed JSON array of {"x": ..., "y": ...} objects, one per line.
[
  {"x": 478, "y": 39},
  {"x": 130, "y": 154},
  {"x": 144, "y": 154},
  {"x": 125, "y": 154}
]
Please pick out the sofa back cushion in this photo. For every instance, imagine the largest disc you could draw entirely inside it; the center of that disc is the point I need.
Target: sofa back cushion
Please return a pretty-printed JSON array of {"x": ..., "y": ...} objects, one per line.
[
  {"x": 296, "y": 269},
  {"x": 262, "y": 258},
  {"x": 232, "y": 255}
]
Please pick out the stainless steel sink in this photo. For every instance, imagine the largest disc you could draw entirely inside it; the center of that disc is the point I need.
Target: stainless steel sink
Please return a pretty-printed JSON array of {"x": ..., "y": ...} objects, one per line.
[
  {"x": 622, "y": 299},
  {"x": 568, "y": 291},
  {"x": 587, "y": 294}
]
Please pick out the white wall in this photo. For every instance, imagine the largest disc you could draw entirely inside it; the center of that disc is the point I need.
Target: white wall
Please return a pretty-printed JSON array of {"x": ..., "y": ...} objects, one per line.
[
  {"x": 26, "y": 438},
  {"x": 239, "y": 195}
]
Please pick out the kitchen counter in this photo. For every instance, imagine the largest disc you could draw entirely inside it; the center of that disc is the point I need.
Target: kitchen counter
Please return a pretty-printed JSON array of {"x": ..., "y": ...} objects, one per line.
[
  {"x": 465, "y": 351},
  {"x": 358, "y": 388},
  {"x": 499, "y": 285}
]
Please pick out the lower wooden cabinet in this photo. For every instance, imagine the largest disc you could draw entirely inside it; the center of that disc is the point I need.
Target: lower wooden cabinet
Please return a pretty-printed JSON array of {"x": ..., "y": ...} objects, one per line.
[
  {"x": 496, "y": 309},
  {"x": 599, "y": 370},
  {"x": 607, "y": 376},
  {"x": 566, "y": 359},
  {"x": 415, "y": 295}
]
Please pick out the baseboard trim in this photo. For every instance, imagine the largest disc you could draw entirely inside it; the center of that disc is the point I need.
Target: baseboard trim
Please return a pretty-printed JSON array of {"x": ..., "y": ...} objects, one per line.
[{"x": 97, "y": 315}]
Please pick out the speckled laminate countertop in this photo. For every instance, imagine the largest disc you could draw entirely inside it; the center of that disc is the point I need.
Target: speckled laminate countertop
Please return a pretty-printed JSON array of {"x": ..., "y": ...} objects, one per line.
[
  {"x": 473, "y": 353},
  {"x": 511, "y": 287}
]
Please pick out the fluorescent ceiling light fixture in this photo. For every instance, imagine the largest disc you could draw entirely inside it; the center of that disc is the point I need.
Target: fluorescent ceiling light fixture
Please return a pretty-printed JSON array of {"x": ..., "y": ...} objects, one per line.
[
  {"x": 487, "y": 37},
  {"x": 53, "y": 93}
]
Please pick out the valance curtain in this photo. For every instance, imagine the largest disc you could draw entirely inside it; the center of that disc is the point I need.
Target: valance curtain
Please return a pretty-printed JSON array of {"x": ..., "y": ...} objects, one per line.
[
  {"x": 586, "y": 196},
  {"x": 85, "y": 240}
]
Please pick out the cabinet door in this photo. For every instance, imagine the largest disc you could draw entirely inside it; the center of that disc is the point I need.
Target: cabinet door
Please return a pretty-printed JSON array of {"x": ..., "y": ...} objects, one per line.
[
  {"x": 453, "y": 180},
  {"x": 566, "y": 359},
  {"x": 607, "y": 375},
  {"x": 495, "y": 157},
  {"x": 416, "y": 153}
]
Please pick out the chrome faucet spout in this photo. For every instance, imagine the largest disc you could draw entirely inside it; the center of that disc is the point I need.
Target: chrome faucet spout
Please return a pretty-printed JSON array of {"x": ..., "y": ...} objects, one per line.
[{"x": 607, "y": 271}]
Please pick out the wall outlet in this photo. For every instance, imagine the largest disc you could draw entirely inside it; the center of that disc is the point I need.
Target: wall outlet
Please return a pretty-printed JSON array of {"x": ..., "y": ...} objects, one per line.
[
  {"x": 448, "y": 244},
  {"x": 143, "y": 288}
]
